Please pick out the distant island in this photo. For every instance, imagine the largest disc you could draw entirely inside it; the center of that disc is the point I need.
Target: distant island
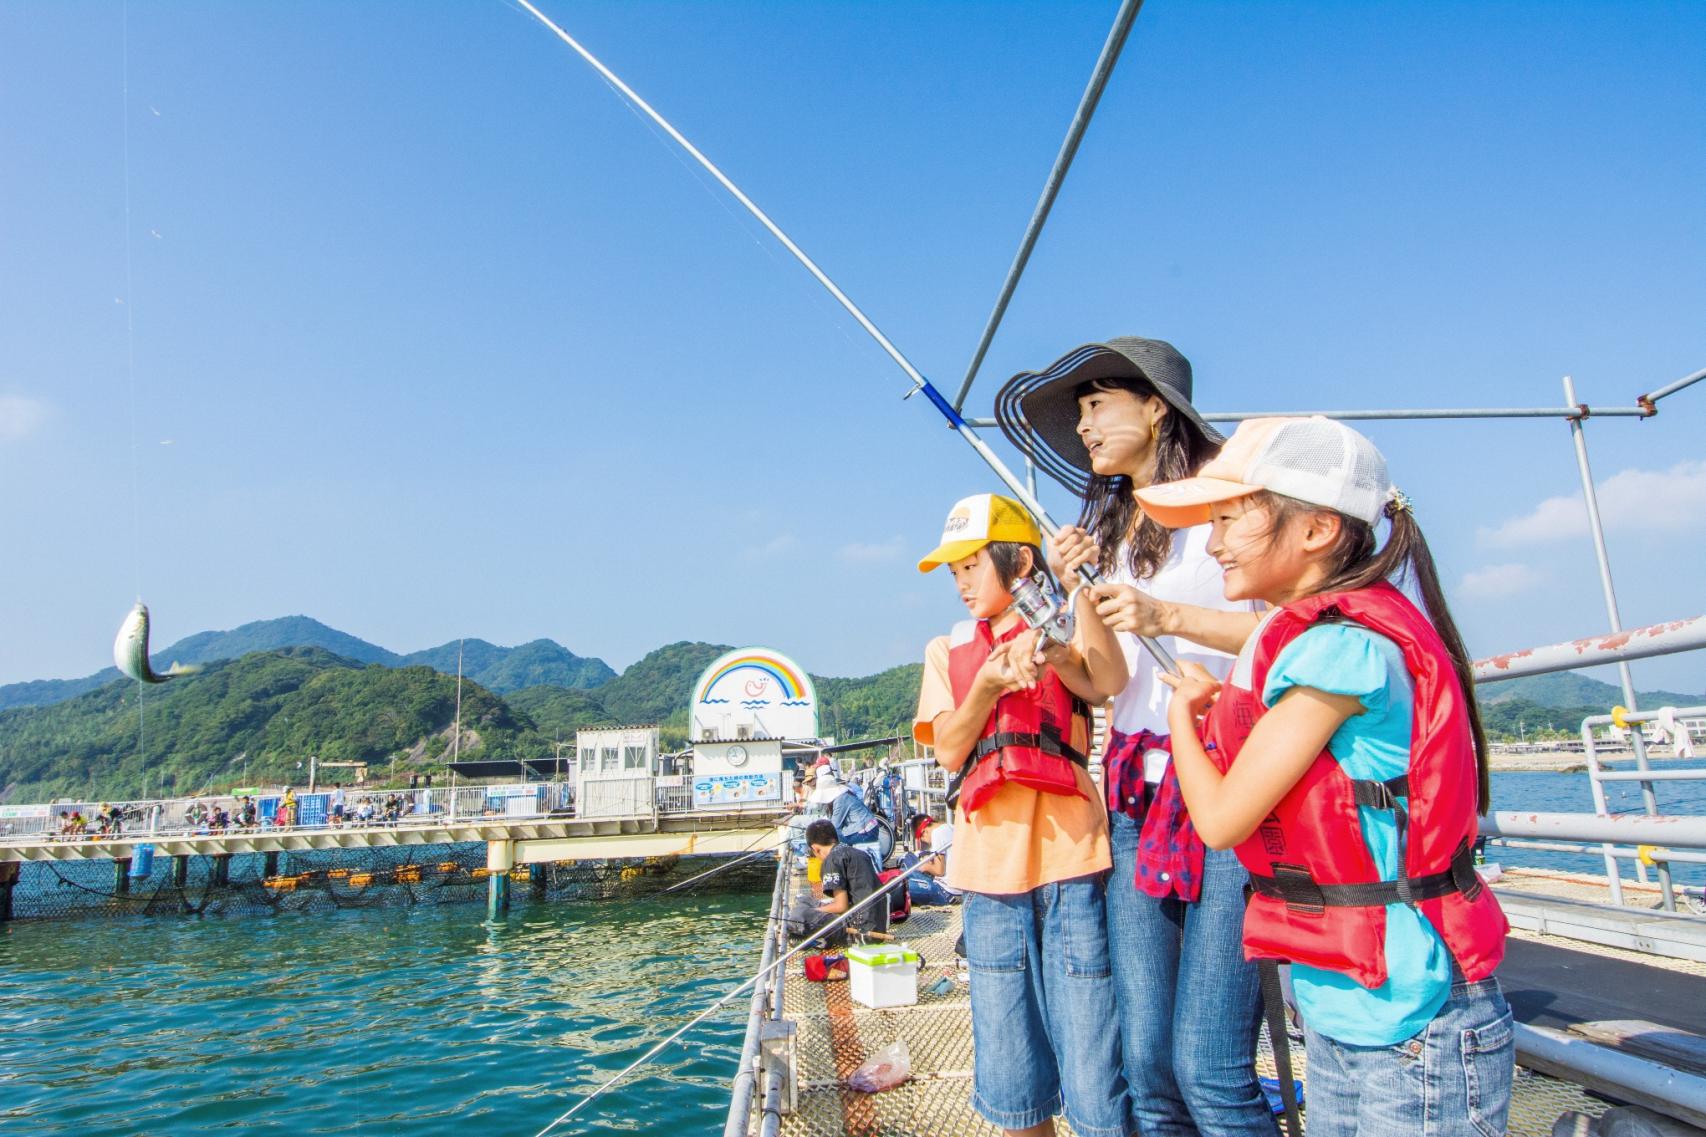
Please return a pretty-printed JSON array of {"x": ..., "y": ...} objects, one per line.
[{"x": 273, "y": 692}]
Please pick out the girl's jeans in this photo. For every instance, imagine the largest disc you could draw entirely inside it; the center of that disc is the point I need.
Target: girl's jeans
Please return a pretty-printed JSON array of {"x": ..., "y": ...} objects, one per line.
[
  {"x": 1189, "y": 1006},
  {"x": 1044, "y": 1032},
  {"x": 1451, "y": 1080}
]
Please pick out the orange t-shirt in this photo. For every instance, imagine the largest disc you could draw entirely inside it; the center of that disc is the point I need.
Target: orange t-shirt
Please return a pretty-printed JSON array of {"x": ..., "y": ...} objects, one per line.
[{"x": 1020, "y": 838}]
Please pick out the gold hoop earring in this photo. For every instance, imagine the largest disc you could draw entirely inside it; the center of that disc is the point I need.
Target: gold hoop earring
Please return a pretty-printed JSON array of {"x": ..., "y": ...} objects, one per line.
[{"x": 1154, "y": 431}]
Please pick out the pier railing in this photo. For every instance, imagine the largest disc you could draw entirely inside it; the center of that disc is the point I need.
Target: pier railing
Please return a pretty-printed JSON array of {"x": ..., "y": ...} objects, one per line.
[
  {"x": 1651, "y": 840},
  {"x": 637, "y": 797}
]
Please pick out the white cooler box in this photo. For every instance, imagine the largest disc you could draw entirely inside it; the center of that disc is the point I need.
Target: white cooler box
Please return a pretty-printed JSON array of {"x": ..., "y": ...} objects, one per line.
[{"x": 882, "y": 975}]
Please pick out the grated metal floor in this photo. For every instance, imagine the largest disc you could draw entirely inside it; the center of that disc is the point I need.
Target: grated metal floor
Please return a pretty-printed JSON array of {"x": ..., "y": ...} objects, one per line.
[{"x": 835, "y": 1036}]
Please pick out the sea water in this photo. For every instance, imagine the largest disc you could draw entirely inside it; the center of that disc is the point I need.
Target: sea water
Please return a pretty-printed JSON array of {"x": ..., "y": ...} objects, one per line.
[
  {"x": 382, "y": 1021},
  {"x": 429, "y": 1020}
]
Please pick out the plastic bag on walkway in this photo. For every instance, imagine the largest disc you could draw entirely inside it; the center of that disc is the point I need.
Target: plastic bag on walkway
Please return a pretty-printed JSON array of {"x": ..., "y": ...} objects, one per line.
[{"x": 885, "y": 1070}]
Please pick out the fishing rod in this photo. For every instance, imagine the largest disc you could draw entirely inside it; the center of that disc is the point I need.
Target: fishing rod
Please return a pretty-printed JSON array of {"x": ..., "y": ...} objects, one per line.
[
  {"x": 920, "y": 385},
  {"x": 741, "y": 860},
  {"x": 810, "y": 939}
]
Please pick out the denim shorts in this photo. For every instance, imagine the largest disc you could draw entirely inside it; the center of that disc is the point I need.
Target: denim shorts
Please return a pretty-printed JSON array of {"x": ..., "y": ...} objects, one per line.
[
  {"x": 1453, "y": 1079},
  {"x": 1045, "y": 1033}
]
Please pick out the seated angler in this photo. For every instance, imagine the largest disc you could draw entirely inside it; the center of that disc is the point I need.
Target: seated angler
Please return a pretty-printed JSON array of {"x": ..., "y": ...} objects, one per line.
[{"x": 848, "y": 879}]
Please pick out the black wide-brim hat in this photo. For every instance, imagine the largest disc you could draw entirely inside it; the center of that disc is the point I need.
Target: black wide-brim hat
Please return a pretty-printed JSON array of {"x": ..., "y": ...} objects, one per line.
[{"x": 1038, "y": 410}]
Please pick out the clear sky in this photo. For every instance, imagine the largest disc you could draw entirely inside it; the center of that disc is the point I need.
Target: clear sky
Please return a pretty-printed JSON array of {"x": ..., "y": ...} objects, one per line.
[{"x": 434, "y": 337}]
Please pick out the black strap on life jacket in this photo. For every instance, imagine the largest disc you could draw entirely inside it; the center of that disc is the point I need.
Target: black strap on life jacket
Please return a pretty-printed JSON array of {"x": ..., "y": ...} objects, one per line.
[
  {"x": 1048, "y": 740},
  {"x": 1301, "y": 892}
]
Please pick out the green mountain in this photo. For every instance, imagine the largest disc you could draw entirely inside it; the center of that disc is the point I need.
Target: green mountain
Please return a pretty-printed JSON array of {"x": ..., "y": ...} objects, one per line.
[
  {"x": 655, "y": 690},
  {"x": 1572, "y": 689},
  {"x": 541, "y": 662},
  {"x": 274, "y": 635},
  {"x": 495, "y": 668},
  {"x": 256, "y": 719},
  {"x": 252, "y": 719}
]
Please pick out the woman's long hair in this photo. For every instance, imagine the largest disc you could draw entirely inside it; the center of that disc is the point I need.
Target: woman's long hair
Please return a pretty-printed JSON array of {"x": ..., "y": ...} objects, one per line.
[
  {"x": 1110, "y": 514},
  {"x": 1355, "y": 562}
]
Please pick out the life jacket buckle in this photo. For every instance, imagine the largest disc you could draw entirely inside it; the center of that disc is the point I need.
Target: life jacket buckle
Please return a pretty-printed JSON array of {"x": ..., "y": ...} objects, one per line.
[
  {"x": 1463, "y": 873},
  {"x": 1296, "y": 886}
]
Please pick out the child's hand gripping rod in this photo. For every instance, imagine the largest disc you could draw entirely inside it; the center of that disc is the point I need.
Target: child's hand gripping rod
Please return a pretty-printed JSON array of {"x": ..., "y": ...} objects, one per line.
[
  {"x": 919, "y": 382},
  {"x": 1026, "y": 498}
]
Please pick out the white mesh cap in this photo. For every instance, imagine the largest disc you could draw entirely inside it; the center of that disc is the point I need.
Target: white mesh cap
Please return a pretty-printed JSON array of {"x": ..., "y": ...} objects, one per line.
[
  {"x": 1323, "y": 462},
  {"x": 1316, "y": 460}
]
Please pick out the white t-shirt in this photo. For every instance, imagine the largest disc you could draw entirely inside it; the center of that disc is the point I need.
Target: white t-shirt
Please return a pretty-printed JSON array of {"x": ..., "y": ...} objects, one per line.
[
  {"x": 1188, "y": 576},
  {"x": 941, "y": 840}
]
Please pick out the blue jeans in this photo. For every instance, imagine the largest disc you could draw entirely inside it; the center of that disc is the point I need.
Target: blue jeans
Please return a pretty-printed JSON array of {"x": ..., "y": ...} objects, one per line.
[
  {"x": 1043, "y": 1024},
  {"x": 923, "y": 888},
  {"x": 1451, "y": 1080},
  {"x": 1190, "y": 1008}
]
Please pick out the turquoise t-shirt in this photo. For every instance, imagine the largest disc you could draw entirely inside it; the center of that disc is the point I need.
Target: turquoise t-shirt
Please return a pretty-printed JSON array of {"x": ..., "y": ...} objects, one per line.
[{"x": 1348, "y": 659}]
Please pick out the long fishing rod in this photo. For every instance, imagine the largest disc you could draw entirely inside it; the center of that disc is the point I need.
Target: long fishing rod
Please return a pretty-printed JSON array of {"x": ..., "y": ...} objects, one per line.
[
  {"x": 725, "y": 867},
  {"x": 745, "y": 986},
  {"x": 921, "y": 385}
]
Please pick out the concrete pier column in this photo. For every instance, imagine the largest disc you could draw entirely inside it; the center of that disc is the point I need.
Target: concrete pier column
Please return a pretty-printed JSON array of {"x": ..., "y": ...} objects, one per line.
[
  {"x": 222, "y": 869},
  {"x": 500, "y": 858},
  {"x": 536, "y": 880},
  {"x": 269, "y": 867},
  {"x": 121, "y": 877},
  {"x": 8, "y": 880},
  {"x": 181, "y": 870}
]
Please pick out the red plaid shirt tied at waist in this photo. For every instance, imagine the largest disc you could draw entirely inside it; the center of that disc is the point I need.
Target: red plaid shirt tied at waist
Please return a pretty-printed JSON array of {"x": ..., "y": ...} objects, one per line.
[{"x": 1169, "y": 852}]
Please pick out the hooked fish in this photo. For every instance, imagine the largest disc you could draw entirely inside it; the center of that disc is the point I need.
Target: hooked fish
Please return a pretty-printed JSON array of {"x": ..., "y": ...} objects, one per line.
[{"x": 130, "y": 650}]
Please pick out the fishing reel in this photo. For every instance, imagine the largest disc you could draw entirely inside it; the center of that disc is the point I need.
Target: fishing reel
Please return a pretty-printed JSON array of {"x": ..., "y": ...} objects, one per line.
[{"x": 1042, "y": 606}]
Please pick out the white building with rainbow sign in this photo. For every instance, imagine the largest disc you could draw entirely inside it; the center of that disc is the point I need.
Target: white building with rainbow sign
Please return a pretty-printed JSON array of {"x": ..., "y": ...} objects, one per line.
[{"x": 748, "y": 706}]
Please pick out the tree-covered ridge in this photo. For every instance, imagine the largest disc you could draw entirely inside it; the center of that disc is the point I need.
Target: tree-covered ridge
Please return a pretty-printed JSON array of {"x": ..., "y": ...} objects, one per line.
[
  {"x": 257, "y": 719},
  {"x": 495, "y": 668}
]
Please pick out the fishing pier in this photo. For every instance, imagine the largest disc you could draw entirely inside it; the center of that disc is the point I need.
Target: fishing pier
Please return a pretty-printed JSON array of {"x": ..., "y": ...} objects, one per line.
[{"x": 408, "y": 851}]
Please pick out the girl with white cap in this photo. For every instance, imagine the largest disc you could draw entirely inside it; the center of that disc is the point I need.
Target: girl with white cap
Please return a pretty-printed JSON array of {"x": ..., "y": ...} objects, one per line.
[
  {"x": 1344, "y": 760},
  {"x": 1107, "y": 419}
]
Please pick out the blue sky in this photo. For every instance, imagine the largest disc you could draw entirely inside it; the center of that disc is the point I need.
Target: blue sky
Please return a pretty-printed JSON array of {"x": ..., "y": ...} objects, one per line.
[{"x": 434, "y": 337}]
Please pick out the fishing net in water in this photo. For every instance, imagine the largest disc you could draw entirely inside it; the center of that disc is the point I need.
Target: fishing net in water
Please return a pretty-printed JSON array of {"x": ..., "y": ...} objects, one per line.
[{"x": 329, "y": 879}]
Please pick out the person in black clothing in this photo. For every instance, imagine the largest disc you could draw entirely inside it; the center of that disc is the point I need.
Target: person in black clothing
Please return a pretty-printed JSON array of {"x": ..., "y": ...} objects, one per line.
[{"x": 848, "y": 878}]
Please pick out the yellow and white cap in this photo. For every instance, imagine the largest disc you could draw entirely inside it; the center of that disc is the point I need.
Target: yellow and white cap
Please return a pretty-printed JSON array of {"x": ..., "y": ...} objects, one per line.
[{"x": 976, "y": 521}]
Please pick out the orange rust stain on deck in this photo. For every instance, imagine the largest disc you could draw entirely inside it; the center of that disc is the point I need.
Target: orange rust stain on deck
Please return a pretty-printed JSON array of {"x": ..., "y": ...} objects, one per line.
[{"x": 856, "y": 1108}]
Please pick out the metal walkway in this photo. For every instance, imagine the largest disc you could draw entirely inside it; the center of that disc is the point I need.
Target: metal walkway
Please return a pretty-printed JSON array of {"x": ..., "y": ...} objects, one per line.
[{"x": 833, "y": 1036}]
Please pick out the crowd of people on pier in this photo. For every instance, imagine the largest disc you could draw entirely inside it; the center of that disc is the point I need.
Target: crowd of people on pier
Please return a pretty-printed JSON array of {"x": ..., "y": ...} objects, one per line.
[
  {"x": 1302, "y": 787},
  {"x": 244, "y": 812}
]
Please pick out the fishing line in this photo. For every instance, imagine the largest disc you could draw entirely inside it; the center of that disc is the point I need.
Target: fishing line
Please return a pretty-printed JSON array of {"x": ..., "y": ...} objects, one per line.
[
  {"x": 130, "y": 367},
  {"x": 753, "y": 981},
  {"x": 921, "y": 385}
]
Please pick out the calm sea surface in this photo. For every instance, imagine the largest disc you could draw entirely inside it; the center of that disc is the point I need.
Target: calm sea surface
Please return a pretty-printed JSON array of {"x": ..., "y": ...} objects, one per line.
[
  {"x": 421, "y": 1021},
  {"x": 408, "y": 1021}
]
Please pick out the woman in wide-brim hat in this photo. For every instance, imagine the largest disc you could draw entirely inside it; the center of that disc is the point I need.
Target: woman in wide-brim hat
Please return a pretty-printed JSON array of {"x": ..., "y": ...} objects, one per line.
[{"x": 1104, "y": 420}]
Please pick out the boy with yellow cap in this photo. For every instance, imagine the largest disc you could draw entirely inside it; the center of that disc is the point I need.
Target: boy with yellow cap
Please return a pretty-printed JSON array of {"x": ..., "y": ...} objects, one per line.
[{"x": 1007, "y": 711}]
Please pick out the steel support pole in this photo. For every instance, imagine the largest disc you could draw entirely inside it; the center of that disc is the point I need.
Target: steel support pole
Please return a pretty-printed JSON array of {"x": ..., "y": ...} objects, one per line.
[
  {"x": 1104, "y": 68},
  {"x": 1597, "y": 527}
]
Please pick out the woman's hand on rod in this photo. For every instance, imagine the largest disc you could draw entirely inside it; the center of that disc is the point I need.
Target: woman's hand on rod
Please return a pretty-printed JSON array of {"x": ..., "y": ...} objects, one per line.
[{"x": 1071, "y": 549}]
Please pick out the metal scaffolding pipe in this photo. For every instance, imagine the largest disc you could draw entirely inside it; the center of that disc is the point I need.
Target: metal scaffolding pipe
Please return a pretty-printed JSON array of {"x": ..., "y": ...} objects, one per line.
[
  {"x": 1051, "y": 188},
  {"x": 1624, "y": 829},
  {"x": 1397, "y": 415},
  {"x": 1673, "y": 388},
  {"x": 1635, "y": 643},
  {"x": 1671, "y": 1092}
]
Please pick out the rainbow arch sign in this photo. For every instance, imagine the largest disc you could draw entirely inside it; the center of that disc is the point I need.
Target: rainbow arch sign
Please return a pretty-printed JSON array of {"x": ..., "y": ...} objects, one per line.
[{"x": 753, "y": 692}]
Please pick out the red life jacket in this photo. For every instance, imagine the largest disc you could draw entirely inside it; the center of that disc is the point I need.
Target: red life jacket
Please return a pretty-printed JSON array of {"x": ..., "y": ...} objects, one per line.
[
  {"x": 1318, "y": 895},
  {"x": 1028, "y": 738}
]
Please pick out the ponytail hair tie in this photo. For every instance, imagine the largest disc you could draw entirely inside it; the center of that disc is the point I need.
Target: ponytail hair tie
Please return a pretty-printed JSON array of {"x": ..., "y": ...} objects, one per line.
[{"x": 1397, "y": 501}]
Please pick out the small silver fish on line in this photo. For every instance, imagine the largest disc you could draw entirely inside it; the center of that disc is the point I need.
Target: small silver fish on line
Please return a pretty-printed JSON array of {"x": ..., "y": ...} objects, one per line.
[{"x": 130, "y": 650}]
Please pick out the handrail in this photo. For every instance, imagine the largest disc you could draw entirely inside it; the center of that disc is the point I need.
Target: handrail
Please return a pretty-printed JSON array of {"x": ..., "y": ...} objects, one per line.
[
  {"x": 745, "y": 1084},
  {"x": 1632, "y": 643}
]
